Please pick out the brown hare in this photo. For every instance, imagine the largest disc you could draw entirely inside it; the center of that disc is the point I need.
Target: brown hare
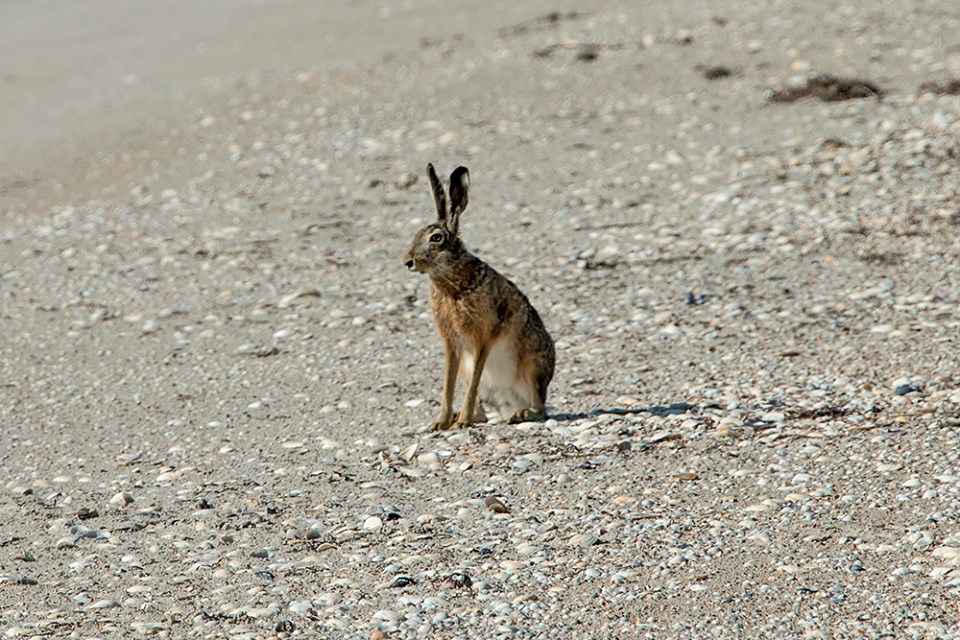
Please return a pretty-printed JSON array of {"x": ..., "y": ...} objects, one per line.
[{"x": 492, "y": 336}]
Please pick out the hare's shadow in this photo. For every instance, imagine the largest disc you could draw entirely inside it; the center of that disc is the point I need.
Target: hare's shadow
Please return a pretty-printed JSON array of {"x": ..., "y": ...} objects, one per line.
[{"x": 672, "y": 409}]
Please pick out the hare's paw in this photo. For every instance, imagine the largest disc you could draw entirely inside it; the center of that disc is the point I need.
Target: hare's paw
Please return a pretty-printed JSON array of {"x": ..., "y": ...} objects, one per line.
[
  {"x": 479, "y": 414},
  {"x": 527, "y": 415},
  {"x": 459, "y": 423},
  {"x": 479, "y": 417},
  {"x": 441, "y": 424}
]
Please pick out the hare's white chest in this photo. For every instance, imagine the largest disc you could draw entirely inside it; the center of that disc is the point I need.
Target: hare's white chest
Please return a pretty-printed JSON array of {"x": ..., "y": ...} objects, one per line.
[
  {"x": 500, "y": 370},
  {"x": 500, "y": 386}
]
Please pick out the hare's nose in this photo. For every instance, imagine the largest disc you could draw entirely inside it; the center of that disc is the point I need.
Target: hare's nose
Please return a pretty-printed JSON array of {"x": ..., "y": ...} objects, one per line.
[{"x": 409, "y": 264}]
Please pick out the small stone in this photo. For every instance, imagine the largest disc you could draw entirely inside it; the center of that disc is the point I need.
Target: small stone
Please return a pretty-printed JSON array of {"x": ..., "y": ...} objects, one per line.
[
  {"x": 127, "y": 459},
  {"x": 167, "y": 476},
  {"x": 289, "y": 299},
  {"x": 872, "y": 292},
  {"x": 586, "y": 254},
  {"x": 147, "y": 628},
  {"x": 430, "y": 460},
  {"x": 496, "y": 505},
  {"x": 448, "y": 138},
  {"x": 388, "y": 513},
  {"x": 300, "y": 606},
  {"x": 25, "y": 556},
  {"x": 583, "y": 540},
  {"x": 264, "y": 612},
  {"x": 121, "y": 499},
  {"x": 716, "y": 72},
  {"x": 408, "y": 453},
  {"x": 663, "y": 436},
  {"x": 66, "y": 543},
  {"x": 522, "y": 464},
  {"x": 458, "y": 580},
  {"x": 693, "y": 299},
  {"x": 406, "y": 180},
  {"x": 608, "y": 253},
  {"x": 402, "y": 581},
  {"x": 373, "y": 523},
  {"x": 587, "y": 52}
]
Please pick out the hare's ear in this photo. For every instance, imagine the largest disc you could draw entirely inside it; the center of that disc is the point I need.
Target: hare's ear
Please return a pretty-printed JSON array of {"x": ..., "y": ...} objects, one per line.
[
  {"x": 438, "y": 195},
  {"x": 459, "y": 184}
]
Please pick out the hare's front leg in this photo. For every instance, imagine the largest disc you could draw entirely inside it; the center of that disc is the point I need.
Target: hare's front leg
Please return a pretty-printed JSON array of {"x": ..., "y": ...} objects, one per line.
[
  {"x": 468, "y": 413},
  {"x": 452, "y": 357}
]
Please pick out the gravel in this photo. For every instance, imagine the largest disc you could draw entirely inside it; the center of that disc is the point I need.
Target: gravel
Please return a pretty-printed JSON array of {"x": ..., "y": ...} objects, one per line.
[{"x": 214, "y": 393}]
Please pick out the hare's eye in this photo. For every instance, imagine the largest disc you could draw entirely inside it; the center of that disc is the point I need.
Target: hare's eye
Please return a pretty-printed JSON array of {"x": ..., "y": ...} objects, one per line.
[{"x": 437, "y": 237}]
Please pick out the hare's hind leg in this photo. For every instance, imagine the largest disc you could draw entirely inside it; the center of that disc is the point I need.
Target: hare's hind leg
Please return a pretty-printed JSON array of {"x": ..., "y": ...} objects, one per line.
[
  {"x": 538, "y": 392},
  {"x": 534, "y": 413},
  {"x": 530, "y": 414}
]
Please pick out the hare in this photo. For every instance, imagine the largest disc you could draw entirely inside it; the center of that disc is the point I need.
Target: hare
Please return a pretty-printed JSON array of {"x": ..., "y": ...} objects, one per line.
[{"x": 492, "y": 336}]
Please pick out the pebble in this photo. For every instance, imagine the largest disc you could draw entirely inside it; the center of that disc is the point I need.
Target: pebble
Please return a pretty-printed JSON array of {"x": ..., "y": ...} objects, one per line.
[
  {"x": 873, "y": 292},
  {"x": 300, "y": 606},
  {"x": 66, "y": 543},
  {"x": 430, "y": 460},
  {"x": 583, "y": 540},
  {"x": 457, "y": 580},
  {"x": 121, "y": 499},
  {"x": 263, "y": 612},
  {"x": 496, "y": 505},
  {"x": 904, "y": 389},
  {"x": 401, "y": 582}
]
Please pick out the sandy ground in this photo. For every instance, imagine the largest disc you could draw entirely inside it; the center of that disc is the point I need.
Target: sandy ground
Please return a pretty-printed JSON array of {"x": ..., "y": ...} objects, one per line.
[
  {"x": 113, "y": 87},
  {"x": 216, "y": 371}
]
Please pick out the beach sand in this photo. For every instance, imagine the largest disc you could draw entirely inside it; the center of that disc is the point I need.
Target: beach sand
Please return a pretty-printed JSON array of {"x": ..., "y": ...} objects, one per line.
[{"x": 216, "y": 372}]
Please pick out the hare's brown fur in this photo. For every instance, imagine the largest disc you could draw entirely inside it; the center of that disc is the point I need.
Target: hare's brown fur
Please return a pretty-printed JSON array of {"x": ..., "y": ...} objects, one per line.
[{"x": 493, "y": 337}]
